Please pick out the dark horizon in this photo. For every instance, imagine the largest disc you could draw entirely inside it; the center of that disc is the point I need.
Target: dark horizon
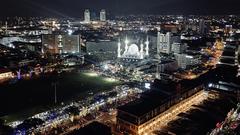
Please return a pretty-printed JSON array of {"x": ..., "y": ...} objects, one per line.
[{"x": 75, "y": 8}]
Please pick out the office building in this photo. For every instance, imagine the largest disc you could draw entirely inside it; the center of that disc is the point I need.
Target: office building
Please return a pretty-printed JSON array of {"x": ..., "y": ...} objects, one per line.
[
  {"x": 103, "y": 15},
  {"x": 57, "y": 44},
  {"x": 164, "y": 43},
  {"x": 202, "y": 27},
  {"x": 185, "y": 60},
  {"x": 178, "y": 47},
  {"x": 87, "y": 16},
  {"x": 181, "y": 60}
]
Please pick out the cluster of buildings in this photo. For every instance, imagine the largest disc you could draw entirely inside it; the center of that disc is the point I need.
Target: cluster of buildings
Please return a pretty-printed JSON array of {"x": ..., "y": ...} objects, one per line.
[
  {"x": 160, "y": 40},
  {"x": 161, "y": 46},
  {"x": 167, "y": 43}
]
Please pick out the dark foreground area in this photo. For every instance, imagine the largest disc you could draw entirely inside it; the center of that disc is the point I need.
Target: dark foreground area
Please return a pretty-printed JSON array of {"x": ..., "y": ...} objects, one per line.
[{"x": 36, "y": 95}]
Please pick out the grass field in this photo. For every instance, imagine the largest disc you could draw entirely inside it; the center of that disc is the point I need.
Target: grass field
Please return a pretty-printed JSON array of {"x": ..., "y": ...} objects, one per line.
[{"x": 25, "y": 98}]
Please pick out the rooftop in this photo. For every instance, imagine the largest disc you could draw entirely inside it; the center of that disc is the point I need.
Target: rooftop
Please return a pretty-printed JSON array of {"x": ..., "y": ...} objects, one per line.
[{"x": 149, "y": 101}]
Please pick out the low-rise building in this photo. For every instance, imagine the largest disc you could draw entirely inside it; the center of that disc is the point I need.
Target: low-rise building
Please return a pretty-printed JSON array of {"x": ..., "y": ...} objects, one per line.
[
  {"x": 57, "y": 44},
  {"x": 5, "y": 74},
  {"x": 105, "y": 46},
  {"x": 135, "y": 117}
]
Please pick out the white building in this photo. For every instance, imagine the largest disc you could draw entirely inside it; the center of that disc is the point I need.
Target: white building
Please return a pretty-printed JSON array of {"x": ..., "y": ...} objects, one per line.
[
  {"x": 178, "y": 47},
  {"x": 103, "y": 15},
  {"x": 132, "y": 51},
  {"x": 185, "y": 60},
  {"x": 87, "y": 16},
  {"x": 164, "y": 43}
]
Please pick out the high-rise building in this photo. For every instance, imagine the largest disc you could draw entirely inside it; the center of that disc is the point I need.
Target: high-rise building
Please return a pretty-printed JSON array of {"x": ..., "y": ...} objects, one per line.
[
  {"x": 181, "y": 60},
  {"x": 87, "y": 15},
  {"x": 103, "y": 15},
  {"x": 202, "y": 26},
  {"x": 178, "y": 47},
  {"x": 164, "y": 43},
  {"x": 185, "y": 60}
]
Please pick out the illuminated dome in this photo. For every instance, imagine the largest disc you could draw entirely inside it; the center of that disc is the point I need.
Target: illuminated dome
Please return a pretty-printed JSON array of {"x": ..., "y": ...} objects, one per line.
[{"x": 132, "y": 51}]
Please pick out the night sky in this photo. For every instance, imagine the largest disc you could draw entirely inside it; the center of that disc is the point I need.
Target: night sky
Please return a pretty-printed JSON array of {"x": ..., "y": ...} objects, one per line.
[{"x": 74, "y": 8}]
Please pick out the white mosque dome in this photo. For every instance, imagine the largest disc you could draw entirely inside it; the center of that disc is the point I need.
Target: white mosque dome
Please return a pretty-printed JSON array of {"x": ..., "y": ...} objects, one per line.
[{"x": 133, "y": 50}]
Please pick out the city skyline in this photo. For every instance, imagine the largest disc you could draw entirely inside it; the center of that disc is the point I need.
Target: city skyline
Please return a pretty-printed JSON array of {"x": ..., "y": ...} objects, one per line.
[
  {"x": 74, "y": 8},
  {"x": 117, "y": 67}
]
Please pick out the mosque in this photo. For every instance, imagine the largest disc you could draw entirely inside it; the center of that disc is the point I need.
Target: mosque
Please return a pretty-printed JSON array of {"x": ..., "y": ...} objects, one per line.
[{"x": 133, "y": 52}]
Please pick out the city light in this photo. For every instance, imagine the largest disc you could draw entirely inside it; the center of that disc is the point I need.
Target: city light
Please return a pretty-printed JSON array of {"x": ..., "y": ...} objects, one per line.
[
  {"x": 110, "y": 80},
  {"x": 126, "y": 41},
  {"x": 133, "y": 71},
  {"x": 106, "y": 67},
  {"x": 91, "y": 74},
  {"x": 210, "y": 85},
  {"x": 70, "y": 32},
  {"x": 147, "y": 85},
  {"x": 187, "y": 56}
]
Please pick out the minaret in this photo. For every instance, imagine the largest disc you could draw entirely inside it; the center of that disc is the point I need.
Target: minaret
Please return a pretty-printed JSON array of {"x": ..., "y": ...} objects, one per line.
[
  {"x": 159, "y": 68},
  {"x": 141, "y": 51},
  {"x": 126, "y": 44},
  {"x": 119, "y": 49},
  {"x": 157, "y": 73},
  {"x": 147, "y": 47}
]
